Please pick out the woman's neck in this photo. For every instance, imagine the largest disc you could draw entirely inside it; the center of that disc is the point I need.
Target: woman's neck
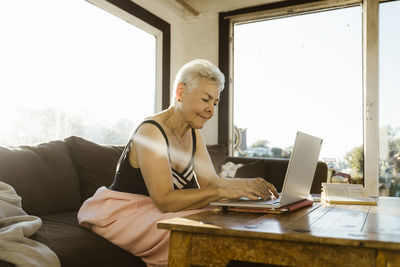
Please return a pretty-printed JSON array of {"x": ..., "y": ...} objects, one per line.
[{"x": 176, "y": 124}]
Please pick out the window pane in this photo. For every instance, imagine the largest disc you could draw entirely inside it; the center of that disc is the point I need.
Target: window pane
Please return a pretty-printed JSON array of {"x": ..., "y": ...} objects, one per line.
[
  {"x": 71, "y": 68},
  {"x": 302, "y": 73},
  {"x": 389, "y": 98}
]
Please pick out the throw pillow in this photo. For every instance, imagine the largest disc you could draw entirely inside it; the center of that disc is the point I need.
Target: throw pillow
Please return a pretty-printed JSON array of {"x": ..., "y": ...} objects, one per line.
[
  {"x": 217, "y": 155},
  {"x": 95, "y": 164},
  {"x": 42, "y": 175}
]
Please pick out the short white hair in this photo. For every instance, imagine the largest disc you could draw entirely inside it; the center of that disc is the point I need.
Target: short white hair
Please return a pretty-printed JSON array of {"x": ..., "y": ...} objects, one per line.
[{"x": 192, "y": 71}]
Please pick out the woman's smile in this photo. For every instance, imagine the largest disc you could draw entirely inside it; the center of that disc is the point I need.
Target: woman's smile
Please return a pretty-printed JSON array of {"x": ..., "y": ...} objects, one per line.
[{"x": 203, "y": 117}]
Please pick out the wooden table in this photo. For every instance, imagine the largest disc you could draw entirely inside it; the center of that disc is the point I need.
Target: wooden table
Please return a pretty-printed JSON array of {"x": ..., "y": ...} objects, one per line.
[{"x": 320, "y": 235}]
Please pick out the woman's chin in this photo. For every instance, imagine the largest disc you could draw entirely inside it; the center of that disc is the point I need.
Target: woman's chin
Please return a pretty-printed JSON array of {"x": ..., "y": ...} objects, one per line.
[{"x": 198, "y": 125}]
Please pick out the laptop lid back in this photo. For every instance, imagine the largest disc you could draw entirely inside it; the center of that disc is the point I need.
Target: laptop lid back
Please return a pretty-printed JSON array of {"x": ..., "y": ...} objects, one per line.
[{"x": 301, "y": 169}]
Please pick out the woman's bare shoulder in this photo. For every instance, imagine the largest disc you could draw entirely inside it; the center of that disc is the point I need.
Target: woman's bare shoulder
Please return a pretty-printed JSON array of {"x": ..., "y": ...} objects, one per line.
[
  {"x": 146, "y": 136},
  {"x": 147, "y": 130}
]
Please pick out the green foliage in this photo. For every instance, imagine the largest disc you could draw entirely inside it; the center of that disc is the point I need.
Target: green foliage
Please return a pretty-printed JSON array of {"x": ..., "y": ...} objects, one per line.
[
  {"x": 277, "y": 152},
  {"x": 394, "y": 189},
  {"x": 394, "y": 143},
  {"x": 260, "y": 148},
  {"x": 355, "y": 158},
  {"x": 260, "y": 143}
]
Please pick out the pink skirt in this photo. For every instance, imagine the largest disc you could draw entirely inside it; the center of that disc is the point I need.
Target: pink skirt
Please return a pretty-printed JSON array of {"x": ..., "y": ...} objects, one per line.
[{"x": 129, "y": 221}]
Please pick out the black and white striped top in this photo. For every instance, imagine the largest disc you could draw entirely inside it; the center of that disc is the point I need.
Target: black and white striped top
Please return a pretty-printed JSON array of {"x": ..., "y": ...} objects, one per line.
[
  {"x": 186, "y": 179},
  {"x": 129, "y": 179}
]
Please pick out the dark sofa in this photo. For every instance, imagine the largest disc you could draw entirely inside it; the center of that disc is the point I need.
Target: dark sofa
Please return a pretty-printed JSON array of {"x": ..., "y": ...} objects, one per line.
[{"x": 55, "y": 178}]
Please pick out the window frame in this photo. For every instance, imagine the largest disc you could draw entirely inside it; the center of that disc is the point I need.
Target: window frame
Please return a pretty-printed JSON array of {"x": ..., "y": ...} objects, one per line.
[
  {"x": 148, "y": 22},
  {"x": 370, "y": 69}
]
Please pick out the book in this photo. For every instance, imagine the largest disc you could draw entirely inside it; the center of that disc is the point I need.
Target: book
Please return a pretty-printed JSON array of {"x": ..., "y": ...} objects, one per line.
[
  {"x": 352, "y": 194},
  {"x": 285, "y": 209}
]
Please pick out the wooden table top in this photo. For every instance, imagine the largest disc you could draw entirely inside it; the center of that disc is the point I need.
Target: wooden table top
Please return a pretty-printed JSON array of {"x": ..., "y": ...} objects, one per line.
[{"x": 346, "y": 225}]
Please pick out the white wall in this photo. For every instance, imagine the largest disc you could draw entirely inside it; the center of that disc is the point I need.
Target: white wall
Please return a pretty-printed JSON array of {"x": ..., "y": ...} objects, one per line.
[
  {"x": 191, "y": 37},
  {"x": 202, "y": 42},
  {"x": 194, "y": 36}
]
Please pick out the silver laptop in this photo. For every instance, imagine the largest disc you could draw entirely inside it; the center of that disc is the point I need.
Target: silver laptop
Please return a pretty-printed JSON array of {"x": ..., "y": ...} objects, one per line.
[{"x": 298, "y": 180}]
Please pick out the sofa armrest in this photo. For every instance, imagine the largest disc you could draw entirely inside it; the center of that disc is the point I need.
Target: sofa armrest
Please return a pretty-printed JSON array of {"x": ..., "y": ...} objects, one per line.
[{"x": 274, "y": 171}]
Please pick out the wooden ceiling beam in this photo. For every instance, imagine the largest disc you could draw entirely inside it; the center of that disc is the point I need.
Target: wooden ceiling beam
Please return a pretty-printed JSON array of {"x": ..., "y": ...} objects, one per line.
[{"x": 188, "y": 7}]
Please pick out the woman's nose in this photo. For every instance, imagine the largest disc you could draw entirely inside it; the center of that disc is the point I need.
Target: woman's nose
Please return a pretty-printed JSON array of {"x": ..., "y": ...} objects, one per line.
[{"x": 210, "y": 109}]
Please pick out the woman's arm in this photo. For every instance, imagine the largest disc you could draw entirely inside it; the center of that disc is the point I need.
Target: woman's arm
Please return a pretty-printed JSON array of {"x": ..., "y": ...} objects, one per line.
[
  {"x": 154, "y": 164},
  {"x": 227, "y": 187}
]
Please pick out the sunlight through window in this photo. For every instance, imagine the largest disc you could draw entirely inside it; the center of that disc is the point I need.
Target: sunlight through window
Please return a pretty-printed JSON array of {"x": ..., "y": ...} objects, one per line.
[
  {"x": 389, "y": 98},
  {"x": 301, "y": 73},
  {"x": 71, "y": 68}
]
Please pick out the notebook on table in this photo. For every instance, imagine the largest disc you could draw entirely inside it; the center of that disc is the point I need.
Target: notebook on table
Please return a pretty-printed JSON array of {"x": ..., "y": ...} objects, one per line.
[
  {"x": 352, "y": 194},
  {"x": 281, "y": 210},
  {"x": 298, "y": 179}
]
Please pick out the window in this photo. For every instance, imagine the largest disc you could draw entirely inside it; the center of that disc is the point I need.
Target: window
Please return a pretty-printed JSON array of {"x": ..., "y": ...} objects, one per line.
[
  {"x": 327, "y": 45},
  {"x": 305, "y": 74},
  {"x": 71, "y": 68},
  {"x": 389, "y": 98}
]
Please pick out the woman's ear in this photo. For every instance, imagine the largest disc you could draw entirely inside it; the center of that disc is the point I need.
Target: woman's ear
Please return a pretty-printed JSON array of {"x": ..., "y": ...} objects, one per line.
[{"x": 180, "y": 90}]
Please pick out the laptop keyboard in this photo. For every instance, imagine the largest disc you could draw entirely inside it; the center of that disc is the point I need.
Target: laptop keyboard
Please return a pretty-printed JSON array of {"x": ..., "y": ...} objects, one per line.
[{"x": 277, "y": 200}]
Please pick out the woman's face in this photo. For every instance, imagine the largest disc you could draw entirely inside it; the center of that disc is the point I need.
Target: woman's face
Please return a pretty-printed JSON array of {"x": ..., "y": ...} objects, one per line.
[{"x": 199, "y": 104}]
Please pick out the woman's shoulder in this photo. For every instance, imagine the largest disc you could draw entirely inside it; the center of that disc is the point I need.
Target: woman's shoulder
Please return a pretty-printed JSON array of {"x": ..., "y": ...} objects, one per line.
[
  {"x": 151, "y": 128},
  {"x": 148, "y": 127},
  {"x": 150, "y": 121}
]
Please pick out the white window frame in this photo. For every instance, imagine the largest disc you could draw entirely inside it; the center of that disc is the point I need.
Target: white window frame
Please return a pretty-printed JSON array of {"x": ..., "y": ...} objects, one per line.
[
  {"x": 122, "y": 14},
  {"x": 370, "y": 28},
  {"x": 371, "y": 95}
]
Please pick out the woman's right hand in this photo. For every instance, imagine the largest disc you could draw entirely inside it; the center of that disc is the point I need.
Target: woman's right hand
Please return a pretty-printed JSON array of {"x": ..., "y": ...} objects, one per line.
[{"x": 252, "y": 188}]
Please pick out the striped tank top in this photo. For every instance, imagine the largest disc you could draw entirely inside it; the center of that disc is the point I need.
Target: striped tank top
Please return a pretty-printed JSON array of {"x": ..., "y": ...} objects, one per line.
[{"x": 129, "y": 179}]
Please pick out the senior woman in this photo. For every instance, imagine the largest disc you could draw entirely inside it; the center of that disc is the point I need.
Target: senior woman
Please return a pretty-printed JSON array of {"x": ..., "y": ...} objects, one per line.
[{"x": 165, "y": 171}]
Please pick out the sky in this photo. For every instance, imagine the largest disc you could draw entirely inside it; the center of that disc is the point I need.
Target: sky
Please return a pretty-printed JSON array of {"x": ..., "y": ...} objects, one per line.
[{"x": 305, "y": 73}]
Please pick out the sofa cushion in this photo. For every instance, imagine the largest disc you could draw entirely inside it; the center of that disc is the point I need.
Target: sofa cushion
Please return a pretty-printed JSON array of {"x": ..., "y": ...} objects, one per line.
[
  {"x": 77, "y": 246},
  {"x": 274, "y": 169},
  {"x": 217, "y": 155},
  {"x": 277, "y": 167},
  {"x": 43, "y": 175},
  {"x": 95, "y": 164},
  {"x": 251, "y": 170}
]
